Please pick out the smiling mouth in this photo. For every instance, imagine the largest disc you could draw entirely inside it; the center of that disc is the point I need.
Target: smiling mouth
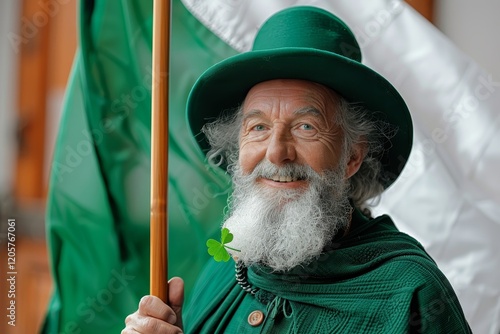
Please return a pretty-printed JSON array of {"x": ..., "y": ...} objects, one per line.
[{"x": 284, "y": 179}]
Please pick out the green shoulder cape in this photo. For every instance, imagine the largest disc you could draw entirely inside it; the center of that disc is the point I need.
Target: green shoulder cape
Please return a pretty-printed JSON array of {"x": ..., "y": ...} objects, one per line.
[{"x": 375, "y": 280}]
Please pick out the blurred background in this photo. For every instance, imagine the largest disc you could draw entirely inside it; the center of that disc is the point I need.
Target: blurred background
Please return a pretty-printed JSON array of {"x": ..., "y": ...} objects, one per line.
[{"x": 38, "y": 42}]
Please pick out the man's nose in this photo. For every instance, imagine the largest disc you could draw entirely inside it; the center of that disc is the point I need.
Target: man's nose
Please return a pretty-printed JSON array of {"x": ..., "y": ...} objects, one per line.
[{"x": 281, "y": 148}]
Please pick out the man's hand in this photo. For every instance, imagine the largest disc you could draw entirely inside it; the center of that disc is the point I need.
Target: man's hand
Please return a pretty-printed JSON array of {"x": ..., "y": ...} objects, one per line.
[{"x": 154, "y": 316}]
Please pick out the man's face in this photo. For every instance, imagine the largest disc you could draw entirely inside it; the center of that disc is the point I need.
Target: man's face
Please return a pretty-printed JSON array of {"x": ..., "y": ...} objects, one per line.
[
  {"x": 290, "y": 184},
  {"x": 290, "y": 121}
]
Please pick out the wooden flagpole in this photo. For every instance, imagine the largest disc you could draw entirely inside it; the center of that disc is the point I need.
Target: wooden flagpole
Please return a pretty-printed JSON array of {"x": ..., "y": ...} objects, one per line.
[{"x": 159, "y": 150}]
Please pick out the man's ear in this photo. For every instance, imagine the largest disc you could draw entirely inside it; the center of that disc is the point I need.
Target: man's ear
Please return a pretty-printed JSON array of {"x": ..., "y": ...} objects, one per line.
[{"x": 358, "y": 154}]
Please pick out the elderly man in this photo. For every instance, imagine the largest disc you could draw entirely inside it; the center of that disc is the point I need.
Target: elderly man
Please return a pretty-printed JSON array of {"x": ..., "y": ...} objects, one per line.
[{"x": 309, "y": 134}]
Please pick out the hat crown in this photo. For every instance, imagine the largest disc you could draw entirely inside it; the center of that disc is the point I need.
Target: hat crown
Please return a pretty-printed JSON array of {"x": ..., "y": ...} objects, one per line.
[{"x": 312, "y": 28}]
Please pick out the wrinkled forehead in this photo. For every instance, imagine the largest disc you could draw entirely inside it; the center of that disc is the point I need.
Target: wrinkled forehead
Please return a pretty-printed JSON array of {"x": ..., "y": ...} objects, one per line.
[{"x": 290, "y": 95}]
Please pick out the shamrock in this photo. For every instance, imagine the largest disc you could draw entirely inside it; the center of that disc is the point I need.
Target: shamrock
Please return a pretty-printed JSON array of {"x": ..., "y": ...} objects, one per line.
[{"x": 218, "y": 249}]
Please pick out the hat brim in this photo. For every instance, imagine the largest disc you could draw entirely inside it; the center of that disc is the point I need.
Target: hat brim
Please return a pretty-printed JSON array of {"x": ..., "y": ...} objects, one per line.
[{"x": 224, "y": 86}]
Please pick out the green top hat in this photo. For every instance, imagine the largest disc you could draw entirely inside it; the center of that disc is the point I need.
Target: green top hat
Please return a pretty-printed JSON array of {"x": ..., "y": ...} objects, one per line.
[{"x": 312, "y": 44}]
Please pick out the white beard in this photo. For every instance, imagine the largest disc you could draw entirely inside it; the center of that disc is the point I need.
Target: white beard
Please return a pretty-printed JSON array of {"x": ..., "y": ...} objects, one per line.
[{"x": 286, "y": 228}]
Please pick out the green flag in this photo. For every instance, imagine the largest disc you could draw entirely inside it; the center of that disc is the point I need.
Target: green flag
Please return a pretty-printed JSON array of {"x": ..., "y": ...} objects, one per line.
[{"x": 98, "y": 208}]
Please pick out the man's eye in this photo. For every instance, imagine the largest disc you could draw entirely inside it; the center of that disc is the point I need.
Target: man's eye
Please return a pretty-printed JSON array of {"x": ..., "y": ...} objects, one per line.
[
  {"x": 259, "y": 127},
  {"x": 306, "y": 126}
]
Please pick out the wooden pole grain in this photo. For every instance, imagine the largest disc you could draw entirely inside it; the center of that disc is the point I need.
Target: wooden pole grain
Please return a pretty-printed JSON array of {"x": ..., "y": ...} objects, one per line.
[{"x": 159, "y": 150}]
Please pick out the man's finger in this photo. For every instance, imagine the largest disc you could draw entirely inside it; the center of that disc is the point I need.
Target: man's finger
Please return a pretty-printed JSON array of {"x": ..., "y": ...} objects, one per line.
[
  {"x": 129, "y": 330},
  {"x": 153, "y": 306},
  {"x": 176, "y": 297},
  {"x": 146, "y": 324}
]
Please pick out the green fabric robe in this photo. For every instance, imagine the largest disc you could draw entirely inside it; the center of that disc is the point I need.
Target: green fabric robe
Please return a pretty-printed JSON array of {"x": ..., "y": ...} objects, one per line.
[{"x": 374, "y": 280}]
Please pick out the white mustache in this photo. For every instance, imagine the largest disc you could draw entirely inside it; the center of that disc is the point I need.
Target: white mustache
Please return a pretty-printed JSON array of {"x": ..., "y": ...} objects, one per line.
[{"x": 286, "y": 173}]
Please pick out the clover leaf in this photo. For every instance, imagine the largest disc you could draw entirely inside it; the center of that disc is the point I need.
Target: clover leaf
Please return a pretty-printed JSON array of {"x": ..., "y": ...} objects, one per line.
[{"x": 218, "y": 249}]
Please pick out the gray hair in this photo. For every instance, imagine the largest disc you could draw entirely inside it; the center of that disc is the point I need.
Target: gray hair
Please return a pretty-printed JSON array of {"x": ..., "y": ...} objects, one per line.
[{"x": 358, "y": 126}]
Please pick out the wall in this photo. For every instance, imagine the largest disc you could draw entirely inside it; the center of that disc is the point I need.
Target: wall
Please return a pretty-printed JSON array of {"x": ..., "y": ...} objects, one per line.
[
  {"x": 474, "y": 27},
  {"x": 9, "y": 11}
]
